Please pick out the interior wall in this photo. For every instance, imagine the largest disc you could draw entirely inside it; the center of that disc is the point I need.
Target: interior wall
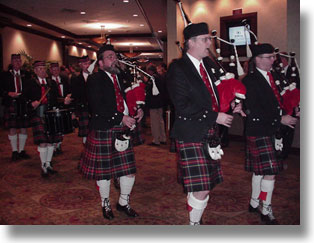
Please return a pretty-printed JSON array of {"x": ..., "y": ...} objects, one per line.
[{"x": 38, "y": 47}]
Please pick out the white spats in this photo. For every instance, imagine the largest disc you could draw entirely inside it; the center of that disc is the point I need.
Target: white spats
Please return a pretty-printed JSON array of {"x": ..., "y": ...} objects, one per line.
[{"x": 267, "y": 188}]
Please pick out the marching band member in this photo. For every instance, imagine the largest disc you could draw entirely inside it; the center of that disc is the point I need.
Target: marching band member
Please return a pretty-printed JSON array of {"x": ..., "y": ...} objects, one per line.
[
  {"x": 190, "y": 81},
  {"x": 64, "y": 93},
  {"x": 101, "y": 160},
  {"x": 264, "y": 116},
  {"x": 78, "y": 88},
  {"x": 15, "y": 107},
  {"x": 43, "y": 93}
]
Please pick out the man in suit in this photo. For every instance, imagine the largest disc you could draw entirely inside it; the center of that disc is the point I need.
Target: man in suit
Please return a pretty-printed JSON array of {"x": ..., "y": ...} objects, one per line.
[
  {"x": 101, "y": 159},
  {"x": 78, "y": 88},
  {"x": 191, "y": 87},
  {"x": 15, "y": 107},
  {"x": 264, "y": 115},
  {"x": 43, "y": 93},
  {"x": 64, "y": 93}
]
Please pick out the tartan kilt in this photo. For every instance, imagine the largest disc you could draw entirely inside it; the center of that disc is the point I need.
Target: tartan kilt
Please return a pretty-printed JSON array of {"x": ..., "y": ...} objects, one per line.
[
  {"x": 83, "y": 116},
  {"x": 11, "y": 121},
  {"x": 260, "y": 156},
  {"x": 39, "y": 132},
  {"x": 197, "y": 171},
  {"x": 100, "y": 160}
]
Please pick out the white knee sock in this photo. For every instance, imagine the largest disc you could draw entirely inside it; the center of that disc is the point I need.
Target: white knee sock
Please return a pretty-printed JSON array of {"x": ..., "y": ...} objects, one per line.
[
  {"x": 267, "y": 188},
  {"x": 104, "y": 190},
  {"x": 198, "y": 207},
  {"x": 13, "y": 142},
  {"x": 43, "y": 157},
  {"x": 256, "y": 190},
  {"x": 126, "y": 185},
  {"x": 50, "y": 149},
  {"x": 22, "y": 141}
]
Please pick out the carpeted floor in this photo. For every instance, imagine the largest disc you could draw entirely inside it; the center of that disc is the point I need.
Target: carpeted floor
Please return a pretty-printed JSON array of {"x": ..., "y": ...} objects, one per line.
[{"x": 68, "y": 199}]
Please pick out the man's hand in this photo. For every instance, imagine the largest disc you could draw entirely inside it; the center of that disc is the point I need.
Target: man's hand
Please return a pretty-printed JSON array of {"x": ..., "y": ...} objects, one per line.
[
  {"x": 139, "y": 115},
  {"x": 67, "y": 99},
  {"x": 224, "y": 119},
  {"x": 35, "y": 104},
  {"x": 237, "y": 108},
  {"x": 128, "y": 121},
  {"x": 289, "y": 121},
  {"x": 13, "y": 94}
]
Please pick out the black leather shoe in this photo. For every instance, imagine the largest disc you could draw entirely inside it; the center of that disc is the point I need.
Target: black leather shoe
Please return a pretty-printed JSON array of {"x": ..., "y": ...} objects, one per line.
[
  {"x": 58, "y": 151},
  {"x": 127, "y": 210},
  {"x": 15, "y": 156},
  {"x": 269, "y": 219},
  {"x": 154, "y": 144},
  {"x": 107, "y": 212},
  {"x": 253, "y": 210},
  {"x": 24, "y": 155},
  {"x": 44, "y": 174},
  {"x": 51, "y": 171}
]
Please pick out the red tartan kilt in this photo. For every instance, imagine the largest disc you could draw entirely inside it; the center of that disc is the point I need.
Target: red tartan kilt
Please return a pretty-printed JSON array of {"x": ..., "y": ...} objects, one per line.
[
  {"x": 39, "y": 132},
  {"x": 261, "y": 156},
  {"x": 83, "y": 123},
  {"x": 101, "y": 161},
  {"x": 11, "y": 121},
  {"x": 198, "y": 172}
]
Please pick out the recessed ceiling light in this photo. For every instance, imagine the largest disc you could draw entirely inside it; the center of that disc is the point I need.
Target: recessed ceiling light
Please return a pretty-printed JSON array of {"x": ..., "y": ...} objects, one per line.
[
  {"x": 89, "y": 46},
  {"x": 125, "y": 1},
  {"x": 62, "y": 36},
  {"x": 141, "y": 25},
  {"x": 135, "y": 15},
  {"x": 83, "y": 12},
  {"x": 80, "y": 43},
  {"x": 159, "y": 31},
  {"x": 29, "y": 25}
]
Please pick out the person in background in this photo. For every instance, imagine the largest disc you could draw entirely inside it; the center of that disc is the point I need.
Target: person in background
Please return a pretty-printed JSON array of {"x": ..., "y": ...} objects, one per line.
[
  {"x": 16, "y": 112},
  {"x": 79, "y": 96},
  {"x": 64, "y": 94},
  {"x": 263, "y": 104},
  {"x": 155, "y": 100}
]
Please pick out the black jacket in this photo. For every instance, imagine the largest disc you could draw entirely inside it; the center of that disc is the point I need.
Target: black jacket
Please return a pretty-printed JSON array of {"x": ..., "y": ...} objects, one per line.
[
  {"x": 102, "y": 101},
  {"x": 78, "y": 88},
  {"x": 262, "y": 108},
  {"x": 191, "y": 99},
  {"x": 156, "y": 101}
]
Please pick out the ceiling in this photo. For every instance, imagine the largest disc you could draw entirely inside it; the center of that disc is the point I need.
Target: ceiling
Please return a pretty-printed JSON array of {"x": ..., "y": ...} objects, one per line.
[{"x": 137, "y": 26}]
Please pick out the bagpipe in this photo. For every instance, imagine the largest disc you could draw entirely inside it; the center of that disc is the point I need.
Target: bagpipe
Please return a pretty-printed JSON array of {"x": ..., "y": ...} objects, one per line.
[
  {"x": 287, "y": 84},
  {"x": 229, "y": 89}
]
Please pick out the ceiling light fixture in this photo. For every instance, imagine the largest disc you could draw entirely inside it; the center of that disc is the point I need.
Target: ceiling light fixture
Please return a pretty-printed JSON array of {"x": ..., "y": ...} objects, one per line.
[
  {"x": 126, "y": 1},
  {"x": 159, "y": 31},
  {"x": 141, "y": 25},
  {"x": 29, "y": 25},
  {"x": 135, "y": 15},
  {"x": 83, "y": 12},
  {"x": 62, "y": 36}
]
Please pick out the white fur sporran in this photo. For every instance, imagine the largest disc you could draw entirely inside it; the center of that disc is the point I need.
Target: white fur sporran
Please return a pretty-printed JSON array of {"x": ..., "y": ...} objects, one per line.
[{"x": 121, "y": 145}]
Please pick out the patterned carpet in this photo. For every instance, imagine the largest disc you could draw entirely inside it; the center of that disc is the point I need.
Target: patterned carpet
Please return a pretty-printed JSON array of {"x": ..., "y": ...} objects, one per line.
[{"x": 68, "y": 199}]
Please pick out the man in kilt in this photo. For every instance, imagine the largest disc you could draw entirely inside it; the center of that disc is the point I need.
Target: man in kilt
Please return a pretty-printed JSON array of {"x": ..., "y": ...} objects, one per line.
[
  {"x": 191, "y": 86},
  {"x": 101, "y": 160},
  {"x": 264, "y": 116},
  {"x": 78, "y": 88},
  {"x": 14, "y": 83},
  {"x": 42, "y": 102},
  {"x": 64, "y": 93}
]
